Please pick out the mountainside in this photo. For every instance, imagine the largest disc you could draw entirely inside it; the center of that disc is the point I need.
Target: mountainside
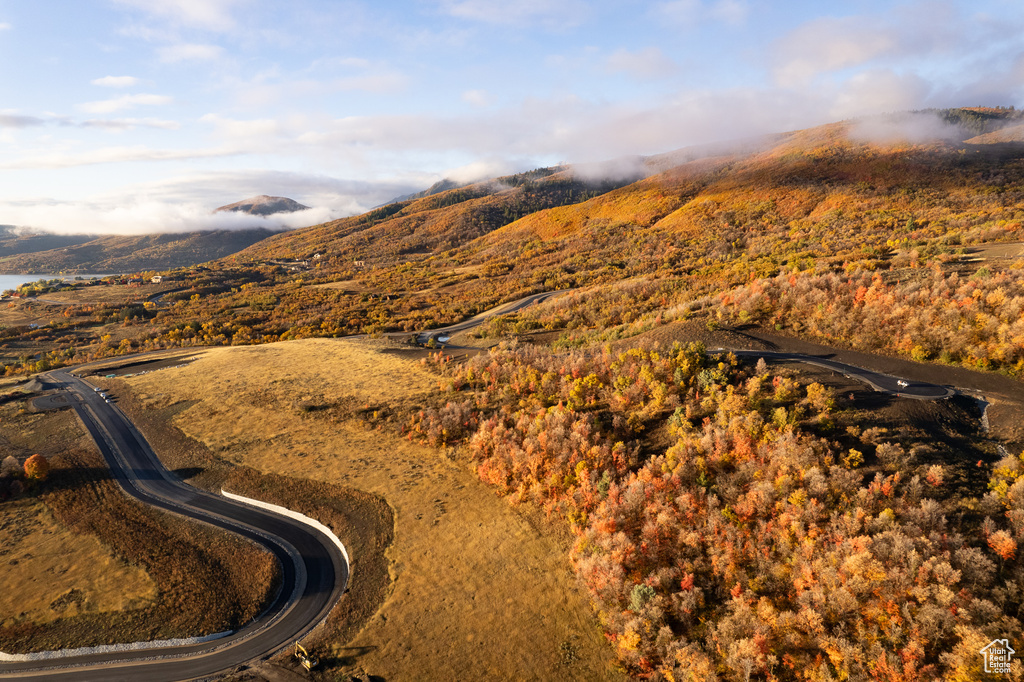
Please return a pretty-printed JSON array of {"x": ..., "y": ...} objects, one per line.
[
  {"x": 895, "y": 195},
  {"x": 14, "y": 242},
  {"x": 263, "y": 205},
  {"x": 442, "y": 185},
  {"x": 99, "y": 254},
  {"x": 829, "y": 193},
  {"x": 437, "y": 222}
]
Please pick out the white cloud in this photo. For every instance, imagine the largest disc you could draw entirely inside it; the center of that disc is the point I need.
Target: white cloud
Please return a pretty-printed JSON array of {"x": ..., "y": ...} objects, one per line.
[
  {"x": 104, "y": 155},
  {"x": 272, "y": 86},
  {"x": 905, "y": 127},
  {"x": 4, "y": 26},
  {"x": 680, "y": 12},
  {"x": 107, "y": 106},
  {"x": 247, "y": 130},
  {"x": 879, "y": 90},
  {"x": 10, "y": 119},
  {"x": 185, "y": 204},
  {"x": 134, "y": 216},
  {"x": 484, "y": 169},
  {"x": 690, "y": 13},
  {"x": 478, "y": 98},
  {"x": 390, "y": 81},
  {"x": 189, "y": 52},
  {"x": 338, "y": 196},
  {"x": 647, "y": 63},
  {"x": 729, "y": 11},
  {"x": 116, "y": 81},
  {"x": 829, "y": 44},
  {"x": 118, "y": 124},
  {"x": 548, "y": 13},
  {"x": 212, "y": 15}
]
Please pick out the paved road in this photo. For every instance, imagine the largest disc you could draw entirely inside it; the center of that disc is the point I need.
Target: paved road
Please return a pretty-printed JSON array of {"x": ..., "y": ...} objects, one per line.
[
  {"x": 314, "y": 571},
  {"x": 476, "y": 320},
  {"x": 880, "y": 382}
]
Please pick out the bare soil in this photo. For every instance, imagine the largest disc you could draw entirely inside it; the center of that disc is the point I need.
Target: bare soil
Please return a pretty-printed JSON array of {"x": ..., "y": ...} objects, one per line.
[
  {"x": 49, "y": 571},
  {"x": 1007, "y": 252}
]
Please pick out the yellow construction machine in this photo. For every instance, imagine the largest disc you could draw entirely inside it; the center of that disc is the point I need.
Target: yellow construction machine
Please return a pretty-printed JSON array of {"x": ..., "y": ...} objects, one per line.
[{"x": 306, "y": 659}]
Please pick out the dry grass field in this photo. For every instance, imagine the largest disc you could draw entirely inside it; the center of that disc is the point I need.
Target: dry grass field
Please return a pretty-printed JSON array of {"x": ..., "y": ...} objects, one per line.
[
  {"x": 51, "y": 572},
  {"x": 476, "y": 589}
]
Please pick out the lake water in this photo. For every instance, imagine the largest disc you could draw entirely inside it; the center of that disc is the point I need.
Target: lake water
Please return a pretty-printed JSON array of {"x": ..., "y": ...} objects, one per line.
[{"x": 15, "y": 281}]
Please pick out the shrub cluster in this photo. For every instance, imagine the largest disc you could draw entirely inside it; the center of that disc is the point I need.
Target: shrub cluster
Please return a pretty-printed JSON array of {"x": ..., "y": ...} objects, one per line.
[{"x": 750, "y": 546}]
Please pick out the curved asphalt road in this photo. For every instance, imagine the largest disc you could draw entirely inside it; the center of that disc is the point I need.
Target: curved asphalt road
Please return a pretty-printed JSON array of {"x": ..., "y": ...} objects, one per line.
[
  {"x": 885, "y": 383},
  {"x": 314, "y": 573},
  {"x": 880, "y": 382},
  {"x": 476, "y": 320}
]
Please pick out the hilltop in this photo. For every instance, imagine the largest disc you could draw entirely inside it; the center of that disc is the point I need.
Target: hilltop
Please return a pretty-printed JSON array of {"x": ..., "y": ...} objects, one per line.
[{"x": 264, "y": 205}]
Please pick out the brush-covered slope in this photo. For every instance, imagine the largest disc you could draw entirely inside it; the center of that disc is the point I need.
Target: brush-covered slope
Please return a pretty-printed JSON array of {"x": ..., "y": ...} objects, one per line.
[
  {"x": 434, "y": 223},
  {"x": 844, "y": 200},
  {"x": 839, "y": 192},
  {"x": 826, "y": 193},
  {"x": 107, "y": 254}
]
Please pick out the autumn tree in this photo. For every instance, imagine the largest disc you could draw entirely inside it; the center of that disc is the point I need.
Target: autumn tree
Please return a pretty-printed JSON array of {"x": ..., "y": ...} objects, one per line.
[{"x": 37, "y": 468}]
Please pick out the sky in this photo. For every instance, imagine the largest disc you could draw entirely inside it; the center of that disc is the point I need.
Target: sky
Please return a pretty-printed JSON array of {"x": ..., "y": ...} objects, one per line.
[{"x": 132, "y": 116}]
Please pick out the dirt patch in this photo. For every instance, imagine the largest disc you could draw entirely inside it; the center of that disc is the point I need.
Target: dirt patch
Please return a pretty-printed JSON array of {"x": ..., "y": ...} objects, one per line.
[
  {"x": 476, "y": 588},
  {"x": 351, "y": 286},
  {"x": 997, "y": 252},
  {"x": 103, "y": 293},
  {"x": 694, "y": 331},
  {"x": 121, "y": 367}
]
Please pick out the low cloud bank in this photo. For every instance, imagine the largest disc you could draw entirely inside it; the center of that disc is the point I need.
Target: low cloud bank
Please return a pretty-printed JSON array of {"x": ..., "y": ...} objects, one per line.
[
  {"x": 186, "y": 204},
  {"x": 912, "y": 127},
  {"x": 147, "y": 217}
]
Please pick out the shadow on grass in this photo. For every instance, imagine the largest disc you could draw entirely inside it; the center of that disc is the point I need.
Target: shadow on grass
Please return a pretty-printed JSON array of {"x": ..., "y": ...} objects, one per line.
[
  {"x": 349, "y": 656},
  {"x": 75, "y": 478}
]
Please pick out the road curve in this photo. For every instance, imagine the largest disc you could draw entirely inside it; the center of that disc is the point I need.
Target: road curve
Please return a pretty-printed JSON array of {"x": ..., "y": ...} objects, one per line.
[
  {"x": 884, "y": 383},
  {"x": 314, "y": 572},
  {"x": 476, "y": 320}
]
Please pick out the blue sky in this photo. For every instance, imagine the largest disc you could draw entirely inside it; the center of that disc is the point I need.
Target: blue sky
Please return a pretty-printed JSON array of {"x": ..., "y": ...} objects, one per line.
[{"x": 137, "y": 115}]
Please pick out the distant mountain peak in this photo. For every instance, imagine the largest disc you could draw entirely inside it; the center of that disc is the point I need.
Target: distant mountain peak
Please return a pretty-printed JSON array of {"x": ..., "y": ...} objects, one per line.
[{"x": 264, "y": 205}]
